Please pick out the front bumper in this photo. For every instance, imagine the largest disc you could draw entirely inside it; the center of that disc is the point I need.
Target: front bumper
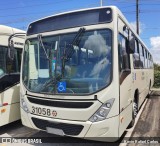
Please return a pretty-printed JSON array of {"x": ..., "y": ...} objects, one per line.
[{"x": 106, "y": 130}]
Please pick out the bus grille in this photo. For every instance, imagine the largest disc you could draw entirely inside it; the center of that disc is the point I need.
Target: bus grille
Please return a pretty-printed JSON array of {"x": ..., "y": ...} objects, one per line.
[
  {"x": 62, "y": 104},
  {"x": 68, "y": 129}
]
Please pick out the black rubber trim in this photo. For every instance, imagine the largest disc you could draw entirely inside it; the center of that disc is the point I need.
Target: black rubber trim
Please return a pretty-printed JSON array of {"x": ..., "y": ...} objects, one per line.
[{"x": 62, "y": 104}]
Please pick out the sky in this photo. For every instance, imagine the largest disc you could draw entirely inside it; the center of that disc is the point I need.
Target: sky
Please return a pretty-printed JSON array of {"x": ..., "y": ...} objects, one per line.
[{"x": 19, "y": 13}]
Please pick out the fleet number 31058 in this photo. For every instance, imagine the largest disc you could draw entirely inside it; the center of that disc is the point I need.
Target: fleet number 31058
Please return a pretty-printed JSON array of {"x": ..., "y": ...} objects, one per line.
[{"x": 41, "y": 111}]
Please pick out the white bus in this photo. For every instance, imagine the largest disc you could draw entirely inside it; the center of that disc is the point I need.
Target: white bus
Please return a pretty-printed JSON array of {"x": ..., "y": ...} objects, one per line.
[
  {"x": 10, "y": 61},
  {"x": 85, "y": 74}
]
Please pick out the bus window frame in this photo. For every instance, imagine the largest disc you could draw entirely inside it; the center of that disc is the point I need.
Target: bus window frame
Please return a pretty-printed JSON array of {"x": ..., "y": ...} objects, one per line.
[
  {"x": 128, "y": 56},
  {"x": 112, "y": 55},
  {"x": 7, "y": 73}
]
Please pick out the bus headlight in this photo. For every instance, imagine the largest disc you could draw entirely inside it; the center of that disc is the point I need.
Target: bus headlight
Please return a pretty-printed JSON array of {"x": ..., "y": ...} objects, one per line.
[
  {"x": 102, "y": 112},
  {"x": 24, "y": 105}
]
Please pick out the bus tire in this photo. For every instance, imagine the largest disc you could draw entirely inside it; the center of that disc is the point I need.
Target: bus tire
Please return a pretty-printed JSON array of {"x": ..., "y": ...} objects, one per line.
[
  {"x": 134, "y": 113},
  {"x": 149, "y": 90}
]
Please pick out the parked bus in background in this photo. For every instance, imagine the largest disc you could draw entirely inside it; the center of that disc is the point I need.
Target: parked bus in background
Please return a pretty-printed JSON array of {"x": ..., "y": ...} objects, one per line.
[
  {"x": 85, "y": 74},
  {"x": 10, "y": 62}
]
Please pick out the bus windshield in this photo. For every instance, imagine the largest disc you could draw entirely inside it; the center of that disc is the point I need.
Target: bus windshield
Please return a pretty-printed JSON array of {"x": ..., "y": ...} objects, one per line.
[
  {"x": 54, "y": 65},
  {"x": 9, "y": 70}
]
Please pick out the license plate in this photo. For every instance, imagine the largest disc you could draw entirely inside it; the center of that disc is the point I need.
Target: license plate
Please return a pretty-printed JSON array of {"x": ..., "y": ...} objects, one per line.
[
  {"x": 43, "y": 111},
  {"x": 55, "y": 131}
]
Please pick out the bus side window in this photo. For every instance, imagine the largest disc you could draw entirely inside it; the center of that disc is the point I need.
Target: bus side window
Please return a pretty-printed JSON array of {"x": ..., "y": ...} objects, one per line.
[
  {"x": 19, "y": 57},
  {"x": 9, "y": 69},
  {"x": 149, "y": 59},
  {"x": 146, "y": 58},
  {"x": 3, "y": 52},
  {"x": 141, "y": 52},
  {"x": 136, "y": 57},
  {"x": 12, "y": 65},
  {"x": 151, "y": 62},
  {"x": 124, "y": 63}
]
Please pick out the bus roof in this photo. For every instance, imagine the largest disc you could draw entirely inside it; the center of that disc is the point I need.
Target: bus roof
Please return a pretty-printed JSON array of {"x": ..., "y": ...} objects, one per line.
[
  {"x": 6, "y": 31},
  {"x": 114, "y": 8},
  {"x": 79, "y": 10},
  {"x": 9, "y": 30}
]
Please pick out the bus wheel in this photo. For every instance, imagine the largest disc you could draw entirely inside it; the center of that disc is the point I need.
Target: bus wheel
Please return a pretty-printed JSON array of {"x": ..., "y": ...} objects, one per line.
[
  {"x": 135, "y": 109},
  {"x": 134, "y": 113},
  {"x": 149, "y": 90}
]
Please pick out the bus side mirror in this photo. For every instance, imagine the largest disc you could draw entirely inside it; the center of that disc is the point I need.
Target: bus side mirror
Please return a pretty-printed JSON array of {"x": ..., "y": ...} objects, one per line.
[
  {"x": 131, "y": 46},
  {"x": 11, "y": 51}
]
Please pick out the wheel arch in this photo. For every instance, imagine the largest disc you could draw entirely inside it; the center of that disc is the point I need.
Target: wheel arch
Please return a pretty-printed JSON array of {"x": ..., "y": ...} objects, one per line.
[{"x": 136, "y": 96}]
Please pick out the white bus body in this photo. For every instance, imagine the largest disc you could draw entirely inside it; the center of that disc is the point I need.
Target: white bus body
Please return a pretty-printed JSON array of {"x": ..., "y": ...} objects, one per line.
[
  {"x": 9, "y": 76},
  {"x": 82, "y": 74}
]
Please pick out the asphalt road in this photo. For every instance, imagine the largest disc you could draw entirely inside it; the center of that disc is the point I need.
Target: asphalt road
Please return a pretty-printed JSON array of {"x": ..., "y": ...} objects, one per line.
[{"x": 147, "y": 129}]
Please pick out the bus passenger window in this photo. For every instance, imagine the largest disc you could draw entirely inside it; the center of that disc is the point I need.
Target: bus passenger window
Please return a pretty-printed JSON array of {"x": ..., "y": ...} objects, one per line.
[
  {"x": 19, "y": 56},
  {"x": 13, "y": 66},
  {"x": 124, "y": 63},
  {"x": 136, "y": 57},
  {"x": 9, "y": 69},
  {"x": 141, "y": 52},
  {"x": 3, "y": 52},
  {"x": 146, "y": 58},
  {"x": 151, "y": 62}
]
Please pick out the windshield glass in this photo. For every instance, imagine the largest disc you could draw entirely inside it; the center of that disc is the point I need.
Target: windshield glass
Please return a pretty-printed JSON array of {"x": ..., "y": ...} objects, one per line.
[
  {"x": 3, "y": 53},
  {"x": 54, "y": 65},
  {"x": 6, "y": 65},
  {"x": 9, "y": 69}
]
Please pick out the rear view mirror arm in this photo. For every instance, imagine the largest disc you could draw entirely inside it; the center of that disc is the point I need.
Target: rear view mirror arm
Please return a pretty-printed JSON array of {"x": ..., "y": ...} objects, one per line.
[
  {"x": 11, "y": 43},
  {"x": 14, "y": 35}
]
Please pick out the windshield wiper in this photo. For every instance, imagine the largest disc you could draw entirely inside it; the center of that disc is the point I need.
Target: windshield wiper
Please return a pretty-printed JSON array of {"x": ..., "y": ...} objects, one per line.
[
  {"x": 42, "y": 45},
  {"x": 69, "y": 51},
  {"x": 69, "y": 48},
  {"x": 50, "y": 82},
  {"x": 75, "y": 42},
  {"x": 47, "y": 83}
]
